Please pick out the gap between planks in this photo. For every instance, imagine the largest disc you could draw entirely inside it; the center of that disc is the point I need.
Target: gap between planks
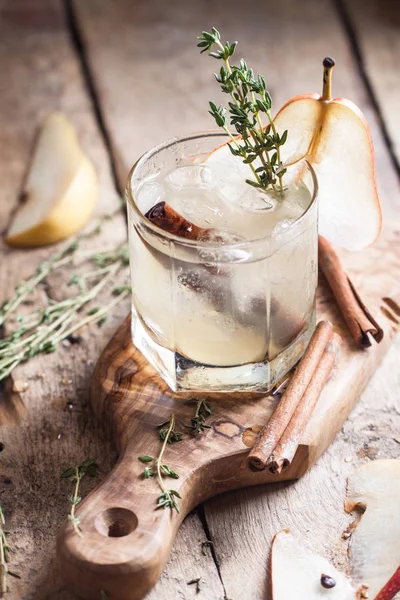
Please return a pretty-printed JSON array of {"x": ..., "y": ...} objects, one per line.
[
  {"x": 77, "y": 43},
  {"x": 346, "y": 23},
  {"x": 350, "y": 30},
  {"x": 213, "y": 553}
]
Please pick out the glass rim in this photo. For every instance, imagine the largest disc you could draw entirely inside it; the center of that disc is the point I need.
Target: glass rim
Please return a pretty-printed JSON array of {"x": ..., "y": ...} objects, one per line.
[{"x": 204, "y": 243}]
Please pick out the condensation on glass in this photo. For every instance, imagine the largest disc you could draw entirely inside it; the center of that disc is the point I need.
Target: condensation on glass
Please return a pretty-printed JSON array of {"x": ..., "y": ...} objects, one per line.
[{"x": 234, "y": 311}]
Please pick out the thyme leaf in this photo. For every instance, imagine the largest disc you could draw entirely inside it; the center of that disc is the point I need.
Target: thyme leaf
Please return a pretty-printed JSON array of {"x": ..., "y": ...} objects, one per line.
[
  {"x": 155, "y": 467},
  {"x": 203, "y": 410},
  {"x": 75, "y": 474},
  {"x": 43, "y": 328},
  {"x": 253, "y": 142}
]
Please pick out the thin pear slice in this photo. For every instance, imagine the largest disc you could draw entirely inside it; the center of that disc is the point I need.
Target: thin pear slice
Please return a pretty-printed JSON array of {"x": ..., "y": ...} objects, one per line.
[
  {"x": 375, "y": 543},
  {"x": 61, "y": 188},
  {"x": 296, "y": 573},
  {"x": 334, "y": 136}
]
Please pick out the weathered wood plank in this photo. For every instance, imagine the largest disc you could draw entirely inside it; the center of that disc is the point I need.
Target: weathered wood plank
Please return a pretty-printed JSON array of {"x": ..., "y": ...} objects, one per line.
[
  {"x": 189, "y": 560},
  {"x": 377, "y": 31},
  {"x": 40, "y": 74},
  {"x": 58, "y": 428},
  {"x": 152, "y": 85},
  {"x": 243, "y": 524}
]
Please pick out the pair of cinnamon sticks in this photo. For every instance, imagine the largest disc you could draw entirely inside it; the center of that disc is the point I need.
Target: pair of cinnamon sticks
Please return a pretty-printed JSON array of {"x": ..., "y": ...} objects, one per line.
[{"x": 277, "y": 443}]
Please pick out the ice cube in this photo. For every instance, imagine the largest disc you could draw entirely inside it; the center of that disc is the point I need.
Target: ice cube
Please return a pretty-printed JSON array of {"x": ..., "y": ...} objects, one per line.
[
  {"x": 148, "y": 195},
  {"x": 231, "y": 182},
  {"x": 257, "y": 201},
  {"x": 201, "y": 207},
  {"x": 190, "y": 176}
]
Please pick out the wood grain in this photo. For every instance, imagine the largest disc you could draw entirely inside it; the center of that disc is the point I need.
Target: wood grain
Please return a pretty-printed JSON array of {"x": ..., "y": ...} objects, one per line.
[
  {"x": 152, "y": 83},
  {"x": 126, "y": 541},
  {"x": 286, "y": 40},
  {"x": 41, "y": 73},
  {"x": 58, "y": 427}
]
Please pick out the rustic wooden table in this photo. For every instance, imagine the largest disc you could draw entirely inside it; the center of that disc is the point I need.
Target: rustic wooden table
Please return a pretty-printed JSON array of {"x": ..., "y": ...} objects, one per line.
[{"x": 127, "y": 74}]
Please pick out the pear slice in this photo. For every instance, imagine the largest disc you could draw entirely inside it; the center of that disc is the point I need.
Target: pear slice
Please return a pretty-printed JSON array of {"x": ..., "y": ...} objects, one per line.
[
  {"x": 296, "y": 573},
  {"x": 375, "y": 543},
  {"x": 334, "y": 136},
  {"x": 61, "y": 188}
]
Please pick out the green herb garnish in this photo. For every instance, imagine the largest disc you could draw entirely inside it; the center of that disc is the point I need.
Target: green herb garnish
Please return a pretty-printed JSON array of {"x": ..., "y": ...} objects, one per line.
[
  {"x": 155, "y": 467},
  {"x": 249, "y": 100},
  {"x": 167, "y": 499},
  {"x": 203, "y": 410},
  {"x": 42, "y": 328},
  {"x": 75, "y": 475}
]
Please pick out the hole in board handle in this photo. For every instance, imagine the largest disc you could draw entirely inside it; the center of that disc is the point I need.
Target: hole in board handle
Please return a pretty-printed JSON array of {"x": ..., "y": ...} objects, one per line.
[{"x": 116, "y": 522}]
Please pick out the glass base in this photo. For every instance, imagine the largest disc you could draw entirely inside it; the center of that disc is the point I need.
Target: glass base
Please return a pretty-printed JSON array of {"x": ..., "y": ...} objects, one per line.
[{"x": 183, "y": 374}]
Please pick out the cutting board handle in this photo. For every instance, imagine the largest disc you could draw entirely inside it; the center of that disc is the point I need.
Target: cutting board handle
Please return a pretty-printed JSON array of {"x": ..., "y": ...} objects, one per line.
[
  {"x": 124, "y": 545},
  {"x": 126, "y": 540}
]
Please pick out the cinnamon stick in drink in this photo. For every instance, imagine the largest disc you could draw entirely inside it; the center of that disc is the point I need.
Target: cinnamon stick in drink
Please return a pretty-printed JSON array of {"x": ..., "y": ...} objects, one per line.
[
  {"x": 269, "y": 437},
  {"x": 286, "y": 448},
  {"x": 165, "y": 217},
  {"x": 359, "y": 320},
  {"x": 201, "y": 278},
  {"x": 205, "y": 278}
]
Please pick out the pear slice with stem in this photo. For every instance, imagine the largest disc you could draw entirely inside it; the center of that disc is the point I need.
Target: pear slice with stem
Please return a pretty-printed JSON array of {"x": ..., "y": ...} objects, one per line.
[
  {"x": 61, "y": 188},
  {"x": 334, "y": 136},
  {"x": 296, "y": 572},
  {"x": 375, "y": 543}
]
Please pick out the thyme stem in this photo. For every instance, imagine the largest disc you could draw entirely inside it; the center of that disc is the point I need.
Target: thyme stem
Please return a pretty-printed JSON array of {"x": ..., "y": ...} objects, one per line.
[
  {"x": 249, "y": 98},
  {"x": 75, "y": 475},
  {"x": 43, "y": 328},
  {"x": 278, "y": 150},
  {"x": 160, "y": 456},
  {"x": 234, "y": 140},
  {"x": 3, "y": 554},
  {"x": 74, "y": 503},
  {"x": 94, "y": 317}
]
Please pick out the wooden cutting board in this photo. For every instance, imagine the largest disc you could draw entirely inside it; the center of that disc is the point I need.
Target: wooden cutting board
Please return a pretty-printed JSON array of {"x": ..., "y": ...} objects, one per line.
[{"x": 126, "y": 541}]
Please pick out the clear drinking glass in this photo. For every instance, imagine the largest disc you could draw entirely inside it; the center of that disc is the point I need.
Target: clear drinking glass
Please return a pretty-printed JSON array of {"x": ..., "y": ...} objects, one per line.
[{"x": 233, "y": 309}]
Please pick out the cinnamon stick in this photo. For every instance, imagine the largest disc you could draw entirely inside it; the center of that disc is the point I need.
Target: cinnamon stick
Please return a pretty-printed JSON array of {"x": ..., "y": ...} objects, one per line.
[
  {"x": 274, "y": 429},
  {"x": 359, "y": 320},
  {"x": 198, "y": 280},
  {"x": 168, "y": 219},
  {"x": 286, "y": 448}
]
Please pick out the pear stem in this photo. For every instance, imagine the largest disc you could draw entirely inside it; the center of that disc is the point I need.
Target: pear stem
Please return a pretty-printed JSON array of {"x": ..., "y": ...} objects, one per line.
[{"x": 328, "y": 64}]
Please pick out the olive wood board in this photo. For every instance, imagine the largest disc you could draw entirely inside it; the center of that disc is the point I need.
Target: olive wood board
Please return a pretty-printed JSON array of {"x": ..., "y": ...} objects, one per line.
[{"x": 126, "y": 541}]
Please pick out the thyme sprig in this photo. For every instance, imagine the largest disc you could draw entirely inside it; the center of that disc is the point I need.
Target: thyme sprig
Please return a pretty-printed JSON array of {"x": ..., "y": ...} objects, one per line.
[
  {"x": 203, "y": 410},
  {"x": 41, "y": 329},
  {"x": 167, "y": 498},
  {"x": 75, "y": 474},
  {"x": 258, "y": 146},
  {"x": 62, "y": 257},
  {"x": 5, "y": 550},
  {"x": 155, "y": 467},
  {"x": 164, "y": 431}
]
